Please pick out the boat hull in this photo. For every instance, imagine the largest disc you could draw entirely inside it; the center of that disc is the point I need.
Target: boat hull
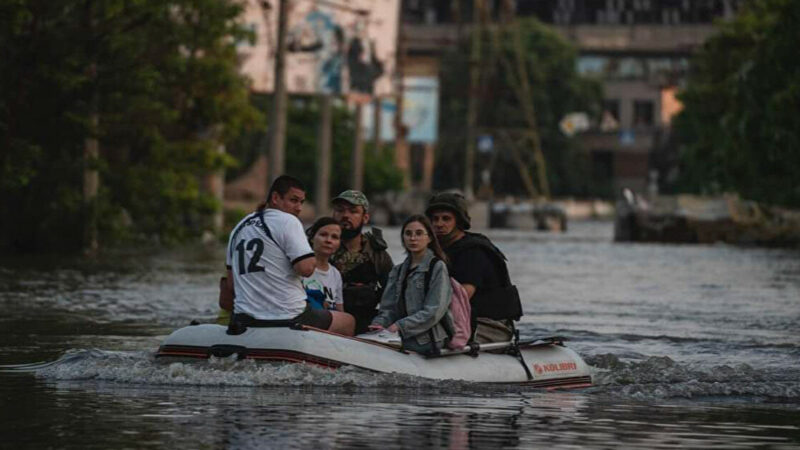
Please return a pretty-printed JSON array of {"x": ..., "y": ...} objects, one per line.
[{"x": 549, "y": 364}]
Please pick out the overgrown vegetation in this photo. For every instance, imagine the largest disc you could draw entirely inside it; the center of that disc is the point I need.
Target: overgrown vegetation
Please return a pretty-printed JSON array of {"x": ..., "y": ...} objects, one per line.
[
  {"x": 380, "y": 173},
  {"x": 740, "y": 130},
  {"x": 556, "y": 90},
  {"x": 154, "y": 81}
]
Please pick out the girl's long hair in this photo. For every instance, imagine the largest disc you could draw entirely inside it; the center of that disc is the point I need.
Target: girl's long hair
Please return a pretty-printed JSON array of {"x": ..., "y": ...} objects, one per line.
[{"x": 433, "y": 244}]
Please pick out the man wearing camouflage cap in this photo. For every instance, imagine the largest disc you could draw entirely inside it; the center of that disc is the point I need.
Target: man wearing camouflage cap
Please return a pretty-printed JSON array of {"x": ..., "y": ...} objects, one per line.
[
  {"x": 362, "y": 258},
  {"x": 479, "y": 266}
]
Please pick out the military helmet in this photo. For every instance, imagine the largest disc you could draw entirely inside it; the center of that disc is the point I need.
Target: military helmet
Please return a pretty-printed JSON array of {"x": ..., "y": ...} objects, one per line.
[{"x": 450, "y": 201}]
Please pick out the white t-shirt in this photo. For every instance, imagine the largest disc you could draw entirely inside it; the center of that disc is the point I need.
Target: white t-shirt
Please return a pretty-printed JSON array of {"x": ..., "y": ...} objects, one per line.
[
  {"x": 329, "y": 282},
  {"x": 266, "y": 285}
]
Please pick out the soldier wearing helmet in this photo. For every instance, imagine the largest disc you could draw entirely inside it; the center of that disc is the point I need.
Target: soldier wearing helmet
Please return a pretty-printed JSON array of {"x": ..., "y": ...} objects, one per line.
[
  {"x": 362, "y": 258},
  {"x": 479, "y": 266}
]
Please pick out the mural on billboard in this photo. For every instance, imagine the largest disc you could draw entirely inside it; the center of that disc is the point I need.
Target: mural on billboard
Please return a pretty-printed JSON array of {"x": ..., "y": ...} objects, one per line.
[
  {"x": 334, "y": 47},
  {"x": 420, "y": 111}
]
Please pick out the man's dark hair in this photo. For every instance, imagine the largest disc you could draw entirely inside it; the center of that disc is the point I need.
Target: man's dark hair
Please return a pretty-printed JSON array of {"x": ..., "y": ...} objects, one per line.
[{"x": 282, "y": 184}]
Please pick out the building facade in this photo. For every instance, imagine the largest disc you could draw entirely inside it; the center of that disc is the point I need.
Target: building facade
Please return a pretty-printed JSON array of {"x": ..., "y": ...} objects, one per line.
[{"x": 639, "y": 49}]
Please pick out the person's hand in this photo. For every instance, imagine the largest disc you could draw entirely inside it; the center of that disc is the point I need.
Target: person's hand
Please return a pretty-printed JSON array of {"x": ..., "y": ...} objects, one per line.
[
  {"x": 393, "y": 328},
  {"x": 375, "y": 327}
]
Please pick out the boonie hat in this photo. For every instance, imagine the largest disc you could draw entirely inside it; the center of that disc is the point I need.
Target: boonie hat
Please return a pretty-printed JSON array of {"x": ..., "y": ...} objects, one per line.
[
  {"x": 353, "y": 197},
  {"x": 451, "y": 201}
]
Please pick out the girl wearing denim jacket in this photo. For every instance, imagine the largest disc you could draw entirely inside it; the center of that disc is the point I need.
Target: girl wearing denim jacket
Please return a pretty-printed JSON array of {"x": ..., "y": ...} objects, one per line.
[{"x": 421, "y": 317}]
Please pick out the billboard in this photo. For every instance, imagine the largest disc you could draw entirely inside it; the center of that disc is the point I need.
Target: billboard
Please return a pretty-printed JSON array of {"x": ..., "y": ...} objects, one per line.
[
  {"x": 420, "y": 111},
  {"x": 333, "y": 46}
]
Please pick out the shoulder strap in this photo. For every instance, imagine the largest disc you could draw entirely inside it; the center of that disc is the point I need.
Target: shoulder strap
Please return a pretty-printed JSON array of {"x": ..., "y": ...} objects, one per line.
[
  {"x": 429, "y": 273},
  {"x": 481, "y": 242},
  {"x": 269, "y": 234},
  {"x": 265, "y": 227}
]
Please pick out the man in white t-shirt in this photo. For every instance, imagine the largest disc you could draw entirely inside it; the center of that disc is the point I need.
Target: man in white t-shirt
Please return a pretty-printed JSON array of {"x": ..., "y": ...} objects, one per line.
[{"x": 268, "y": 253}]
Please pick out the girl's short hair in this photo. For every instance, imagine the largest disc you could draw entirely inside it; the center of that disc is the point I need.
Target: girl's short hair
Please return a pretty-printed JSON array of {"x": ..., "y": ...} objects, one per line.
[{"x": 321, "y": 222}]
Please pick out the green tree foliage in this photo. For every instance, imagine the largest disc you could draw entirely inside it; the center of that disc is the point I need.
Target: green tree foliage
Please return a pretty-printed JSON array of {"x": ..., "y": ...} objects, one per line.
[
  {"x": 380, "y": 173},
  {"x": 161, "y": 77},
  {"x": 740, "y": 130},
  {"x": 557, "y": 89}
]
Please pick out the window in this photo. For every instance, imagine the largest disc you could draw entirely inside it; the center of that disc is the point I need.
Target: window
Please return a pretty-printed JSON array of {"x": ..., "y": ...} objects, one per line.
[
  {"x": 643, "y": 113},
  {"x": 592, "y": 65},
  {"x": 612, "y": 106},
  {"x": 630, "y": 68}
]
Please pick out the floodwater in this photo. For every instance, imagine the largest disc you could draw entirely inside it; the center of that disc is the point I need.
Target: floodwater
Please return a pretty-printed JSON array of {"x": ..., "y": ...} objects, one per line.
[{"x": 691, "y": 346}]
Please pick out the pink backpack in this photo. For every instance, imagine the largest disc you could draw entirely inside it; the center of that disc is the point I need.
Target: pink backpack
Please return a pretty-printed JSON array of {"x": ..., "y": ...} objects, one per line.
[{"x": 460, "y": 310}]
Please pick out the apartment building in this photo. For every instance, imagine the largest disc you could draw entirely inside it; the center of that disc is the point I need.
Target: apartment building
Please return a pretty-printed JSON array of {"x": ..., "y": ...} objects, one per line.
[{"x": 639, "y": 49}]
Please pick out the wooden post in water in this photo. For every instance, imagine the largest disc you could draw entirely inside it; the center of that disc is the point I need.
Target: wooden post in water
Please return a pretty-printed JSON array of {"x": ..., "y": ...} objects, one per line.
[
  {"x": 427, "y": 167},
  {"x": 277, "y": 128},
  {"x": 357, "y": 161},
  {"x": 401, "y": 159},
  {"x": 324, "y": 138},
  {"x": 376, "y": 125}
]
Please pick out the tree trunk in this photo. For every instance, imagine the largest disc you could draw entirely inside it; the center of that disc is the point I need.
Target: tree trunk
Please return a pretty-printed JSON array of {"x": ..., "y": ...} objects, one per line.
[
  {"x": 323, "y": 193},
  {"x": 91, "y": 177}
]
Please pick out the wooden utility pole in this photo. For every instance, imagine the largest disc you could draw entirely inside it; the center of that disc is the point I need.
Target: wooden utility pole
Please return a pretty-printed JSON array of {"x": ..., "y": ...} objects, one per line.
[
  {"x": 472, "y": 100},
  {"x": 277, "y": 128},
  {"x": 324, "y": 138},
  {"x": 357, "y": 161},
  {"x": 401, "y": 157}
]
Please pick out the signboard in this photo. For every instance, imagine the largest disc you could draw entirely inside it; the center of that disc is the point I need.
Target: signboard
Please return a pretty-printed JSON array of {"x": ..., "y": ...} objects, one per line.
[
  {"x": 485, "y": 143},
  {"x": 420, "y": 111},
  {"x": 333, "y": 46}
]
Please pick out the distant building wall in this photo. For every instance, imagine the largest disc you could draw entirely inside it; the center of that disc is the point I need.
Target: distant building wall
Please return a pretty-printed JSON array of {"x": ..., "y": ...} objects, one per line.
[{"x": 638, "y": 49}]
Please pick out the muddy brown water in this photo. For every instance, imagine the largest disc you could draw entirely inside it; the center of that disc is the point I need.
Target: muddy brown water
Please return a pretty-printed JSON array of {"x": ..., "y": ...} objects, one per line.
[{"x": 692, "y": 346}]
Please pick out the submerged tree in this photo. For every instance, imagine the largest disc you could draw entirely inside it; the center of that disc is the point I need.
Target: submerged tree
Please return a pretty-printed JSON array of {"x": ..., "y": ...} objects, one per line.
[
  {"x": 739, "y": 130},
  {"x": 152, "y": 83}
]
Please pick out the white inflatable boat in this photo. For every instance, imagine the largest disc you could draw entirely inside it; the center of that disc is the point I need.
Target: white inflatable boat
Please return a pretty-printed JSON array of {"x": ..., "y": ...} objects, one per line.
[{"x": 539, "y": 362}]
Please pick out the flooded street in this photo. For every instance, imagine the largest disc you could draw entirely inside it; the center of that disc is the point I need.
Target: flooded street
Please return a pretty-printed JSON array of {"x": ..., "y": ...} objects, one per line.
[{"x": 691, "y": 346}]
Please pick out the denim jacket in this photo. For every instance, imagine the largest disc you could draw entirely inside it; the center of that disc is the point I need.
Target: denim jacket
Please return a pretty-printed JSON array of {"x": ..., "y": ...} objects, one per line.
[{"x": 425, "y": 312}]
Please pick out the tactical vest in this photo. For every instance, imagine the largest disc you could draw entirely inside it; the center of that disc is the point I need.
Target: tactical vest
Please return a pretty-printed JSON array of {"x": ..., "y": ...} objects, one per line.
[{"x": 497, "y": 303}]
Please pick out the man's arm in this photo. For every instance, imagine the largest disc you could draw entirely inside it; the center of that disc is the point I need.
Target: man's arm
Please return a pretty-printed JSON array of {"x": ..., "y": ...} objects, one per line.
[
  {"x": 469, "y": 269},
  {"x": 470, "y": 290},
  {"x": 292, "y": 239},
  {"x": 305, "y": 266},
  {"x": 226, "y": 297}
]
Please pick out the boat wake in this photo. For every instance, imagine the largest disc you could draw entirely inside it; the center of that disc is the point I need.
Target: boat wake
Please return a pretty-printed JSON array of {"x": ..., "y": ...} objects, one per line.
[
  {"x": 141, "y": 367},
  {"x": 657, "y": 377},
  {"x": 648, "y": 378}
]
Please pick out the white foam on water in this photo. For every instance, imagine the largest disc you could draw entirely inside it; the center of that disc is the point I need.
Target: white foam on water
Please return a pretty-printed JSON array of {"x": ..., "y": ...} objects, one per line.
[
  {"x": 661, "y": 377},
  {"x": 647, "y": 379},
  {"x": 144, "y": 368}
]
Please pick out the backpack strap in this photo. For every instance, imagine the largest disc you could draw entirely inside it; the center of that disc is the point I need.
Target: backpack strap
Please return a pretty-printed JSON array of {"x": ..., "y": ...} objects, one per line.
[
  {"x": 428, "y": 276},
  {"x": 265, "y": 227},
  {"x": 269, "y": 234},
  {"x": 429, "y": 273}
]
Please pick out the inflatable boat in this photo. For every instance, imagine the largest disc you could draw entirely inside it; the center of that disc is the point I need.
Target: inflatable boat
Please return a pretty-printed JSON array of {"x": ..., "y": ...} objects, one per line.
[{"x": 544, "y": 362}]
